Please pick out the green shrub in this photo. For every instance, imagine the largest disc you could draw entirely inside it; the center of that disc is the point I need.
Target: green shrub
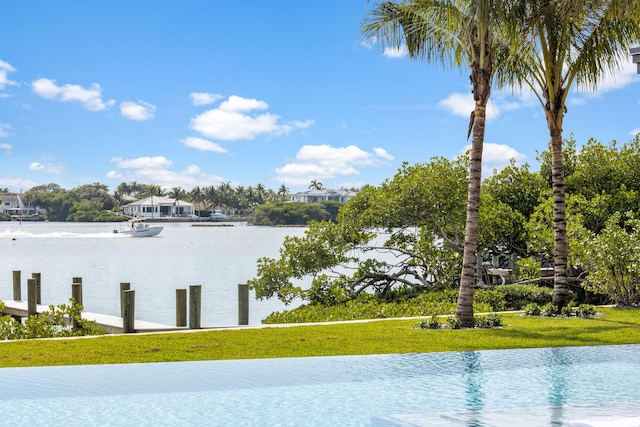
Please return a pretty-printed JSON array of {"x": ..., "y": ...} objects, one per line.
[
  {"x": 454, "y": 322},
  {"x": 567, "y": 310},
  {"x": 570, "y": 310},
  {"x": 368, "y": 306},
  {"x": 514, "y": 297},
  {"x": 432, "y": 323},
  {"x": 585, "y": 310},
  {"x": 549, "y": 310},
  {"x": 56, "y": 322},
  {"x": 613, "y": 261},
  {"x": 489, "y": 321},
  {"x": 330, "y": 305},
  {"x": 532, "y": 309}
]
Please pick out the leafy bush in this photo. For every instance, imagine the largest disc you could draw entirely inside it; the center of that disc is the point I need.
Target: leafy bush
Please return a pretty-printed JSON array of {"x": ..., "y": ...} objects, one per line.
[
  {"x": 613, "y": 261},
  {"x": 56, "y": 322},
  {"x": 368, "y": 306},
  {"x": 532, "y": 310},
  {"x": 432, "y": 323},
  {"x": 585, "y": 310},
  {"x": 549, "y": 310},
  {"x": 567, "y": 310},
  {"x": 489, "y": 321},
  {"x": 454, "y": 322},
  {"x": 570, "y": 310},
  {"x": 514, "y": 297},
  {"x": 331, "y": 306}
]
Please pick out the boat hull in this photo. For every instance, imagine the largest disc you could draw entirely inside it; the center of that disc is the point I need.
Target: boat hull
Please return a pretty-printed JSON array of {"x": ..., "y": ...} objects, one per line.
[{"x": 140, "y": 232}]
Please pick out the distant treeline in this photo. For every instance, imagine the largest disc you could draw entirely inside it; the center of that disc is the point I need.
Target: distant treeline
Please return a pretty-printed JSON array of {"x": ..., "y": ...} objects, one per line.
[
  {"x": 294, "y": 213},
  {"x": 95, "y": 202}
]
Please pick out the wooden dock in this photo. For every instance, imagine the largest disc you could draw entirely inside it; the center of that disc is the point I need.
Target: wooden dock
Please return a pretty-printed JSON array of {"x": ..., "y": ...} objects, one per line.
[
  {"x": 111, "y": 324},
  {"x": 126, "y": 322}
]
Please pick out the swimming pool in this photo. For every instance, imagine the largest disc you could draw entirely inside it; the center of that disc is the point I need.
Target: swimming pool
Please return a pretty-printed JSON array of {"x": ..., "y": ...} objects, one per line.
[{"x": 526, "y": 387}]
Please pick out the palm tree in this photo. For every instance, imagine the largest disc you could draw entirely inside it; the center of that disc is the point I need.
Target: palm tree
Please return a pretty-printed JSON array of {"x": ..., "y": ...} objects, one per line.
[
  {"x": 211, "y": 196},
  {"x": 177, "y": 193},
  {"x": 315, "y": 185},
  {"x": 283, "y": 192},
  {"x": 561, "y": 44},
  {"x": 226, "y": 195},
  {"x": 261, "y": 193},
  {"x": 455, "y": 33}
]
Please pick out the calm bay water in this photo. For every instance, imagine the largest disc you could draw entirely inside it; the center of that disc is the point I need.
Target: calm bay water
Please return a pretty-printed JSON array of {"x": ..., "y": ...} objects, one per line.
[{"x": 217, "y": 258}]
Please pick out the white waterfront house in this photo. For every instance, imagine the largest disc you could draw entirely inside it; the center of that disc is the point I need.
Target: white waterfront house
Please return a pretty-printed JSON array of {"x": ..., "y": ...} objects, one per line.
[
  {"x": 12, "y": 204},
  {"x": 312, "y": 196},
  {"x": 159, "y": 207}
]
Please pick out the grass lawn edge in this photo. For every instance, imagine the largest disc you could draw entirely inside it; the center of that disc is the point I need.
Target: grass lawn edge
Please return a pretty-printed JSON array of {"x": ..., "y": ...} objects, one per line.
[{"x": 379, "y": 336}]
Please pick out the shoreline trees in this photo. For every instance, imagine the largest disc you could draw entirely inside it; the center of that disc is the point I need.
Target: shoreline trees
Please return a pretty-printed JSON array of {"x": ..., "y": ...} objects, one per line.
[
  {"x": 94, "y": 202},
  {"x": 404, "y": 237}
]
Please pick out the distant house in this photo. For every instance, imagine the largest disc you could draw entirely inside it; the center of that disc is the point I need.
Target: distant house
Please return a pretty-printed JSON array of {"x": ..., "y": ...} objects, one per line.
[
  {"x": 159, "y": 207},
  {"x": 12, "y": 204},
  {"x": 312, "y": 196}
]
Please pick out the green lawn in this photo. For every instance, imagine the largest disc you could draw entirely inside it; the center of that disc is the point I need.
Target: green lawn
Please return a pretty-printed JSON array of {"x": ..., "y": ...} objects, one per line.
[{"x": 616, "y": 326}]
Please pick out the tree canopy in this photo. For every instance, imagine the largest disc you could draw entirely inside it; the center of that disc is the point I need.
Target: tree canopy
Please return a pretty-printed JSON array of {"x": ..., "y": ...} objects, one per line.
[{"x": 407, "y": 235}]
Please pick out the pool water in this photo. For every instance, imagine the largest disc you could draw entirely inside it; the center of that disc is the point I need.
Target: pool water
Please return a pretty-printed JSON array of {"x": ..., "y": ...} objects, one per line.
[{"x": 525, "y": 387}]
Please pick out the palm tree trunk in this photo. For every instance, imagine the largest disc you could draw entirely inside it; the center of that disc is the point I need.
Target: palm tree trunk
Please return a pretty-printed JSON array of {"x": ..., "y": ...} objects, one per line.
[
  {"x": 561, "y": 295},
  {"x": 464, "y": 310}
]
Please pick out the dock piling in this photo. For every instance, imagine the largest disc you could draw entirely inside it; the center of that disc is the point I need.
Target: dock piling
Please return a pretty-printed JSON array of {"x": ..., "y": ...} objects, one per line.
[
  {"x": 128, "y": 318},
  {"x": 38, "y": 277},
  {"x": 17, "y": 290},
  {"x": 32, "y": 295},
  {"x": 195, "y": 297},
  {"x": 124, "y": 286},
  {"x": 181, "y": 307},
  {"x": 243, "y": 304},
  {"x": 76, "y": 294},
  {"x": 76, "y": 290}
]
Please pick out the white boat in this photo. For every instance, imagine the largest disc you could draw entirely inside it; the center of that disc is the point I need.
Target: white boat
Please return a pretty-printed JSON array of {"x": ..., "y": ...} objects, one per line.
[
  {"x": 137, "y": 228},
  {"x": 217, "y": 216}
]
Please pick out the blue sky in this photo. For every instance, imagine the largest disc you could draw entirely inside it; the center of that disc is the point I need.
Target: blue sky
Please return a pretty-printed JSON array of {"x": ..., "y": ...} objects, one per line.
[{"x": 201, "y": 92}]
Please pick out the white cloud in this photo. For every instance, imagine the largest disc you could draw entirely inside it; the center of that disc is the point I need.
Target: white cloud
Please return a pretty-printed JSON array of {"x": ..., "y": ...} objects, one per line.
[
  {"x": 91, "y": 99},
  {"x": 156, "y": 162},
  {"x": 48, "y": 168},
  {"x": 5, "y": 69},
  {"x": 17, "y": 184},
  {"x": 382, "y": 153},
  {"x": 239, "y": 104},
  {"x": 462, "y": 104},
  {"x": 634, "y": 132},
  {"x": 395, "y": 52},
  {"x": 458, "y": 104},
  {"x": 6, "y": 148},
  {"x": 615, "y": 79},
  {"x": 325, "y": 162},
  {"x": 156, "y": 170},
  {"x": 388, "y": 51},
  {"x": 500, "y": 153},
  {"x": 4, "y": 130},
  {"x": 235, "y": 120},
  {"x": 496, "y": 156},
  {"x": 115, "y": 175},
  {"x": 138, "y": 111},
  {"x": 204, "y": 98},
  {"x": 203, "y": 144}
]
